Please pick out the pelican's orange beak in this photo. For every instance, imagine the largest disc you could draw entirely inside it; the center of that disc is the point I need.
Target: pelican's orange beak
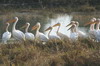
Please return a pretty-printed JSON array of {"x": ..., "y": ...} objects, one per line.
[
  {"x": 48, "y": 28},
  {"x": 88, "y": 23},
  {"x": 11, "y": 21},
  {"x": 58, "y": 24},
  {"x": 34, "y": 27}
]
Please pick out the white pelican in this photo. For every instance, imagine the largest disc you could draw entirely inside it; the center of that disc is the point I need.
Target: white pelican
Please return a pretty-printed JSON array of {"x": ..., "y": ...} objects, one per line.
[
  {"x": 52, "y": 37},
  {"x": 61, "y": 35},
  {"x": 17, "y": 34},
  {"x": 39, "y": 35},
  {"x": 28, "y": 36},
  {"x": 80, "y": 33},
  {"x": 92, "y": 31},
  {"x": 98, "y": 29},
  {"x": 74, "y": 34},
  {"x": 6, "y": 35}
]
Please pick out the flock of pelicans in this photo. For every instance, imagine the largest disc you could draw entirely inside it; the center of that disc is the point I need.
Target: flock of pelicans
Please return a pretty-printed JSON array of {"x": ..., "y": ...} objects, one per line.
[{"x": 94, "y": 33}]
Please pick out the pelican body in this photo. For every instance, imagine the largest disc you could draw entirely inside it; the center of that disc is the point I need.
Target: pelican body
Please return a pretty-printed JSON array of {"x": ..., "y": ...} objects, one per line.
[
  {"x": 61, "y": 35},
  {"x": 39, "y": 35},
  {"x": 92, "y": 31},
  {"x": 17, "y": 34},
  {"x": 28, "y": 36},
  {"x": 6, "y": 35},
  {"x": 80, "y": 33},
  {"x": 52, "y": 37}
]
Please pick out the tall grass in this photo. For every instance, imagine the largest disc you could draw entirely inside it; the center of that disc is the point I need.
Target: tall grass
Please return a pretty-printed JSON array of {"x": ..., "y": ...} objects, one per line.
[{"x": 83, "y": 52}]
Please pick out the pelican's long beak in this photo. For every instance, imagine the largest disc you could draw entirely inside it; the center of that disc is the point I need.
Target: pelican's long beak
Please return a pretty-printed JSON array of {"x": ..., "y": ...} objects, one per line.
[
  {"x": 48, "y": 29},
  {"x": 88, "y": 23},
  {"x": 23, "y": 26},
  {"x": 69, "y": 24},
  {"x": 58, "y": 24},
  {"x": 34, "y": 27},
  {"x": 71, "y": 27},
  {"x": 11, "y": 21}
]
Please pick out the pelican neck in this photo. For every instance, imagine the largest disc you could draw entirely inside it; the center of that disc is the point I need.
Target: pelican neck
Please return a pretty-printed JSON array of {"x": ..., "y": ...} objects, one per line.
[{"x": 26, "y": 30}]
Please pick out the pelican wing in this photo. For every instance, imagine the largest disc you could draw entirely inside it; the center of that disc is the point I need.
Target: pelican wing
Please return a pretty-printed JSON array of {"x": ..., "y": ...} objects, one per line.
[
  {"x": 6, "y": 36},
  {"x": 80, "y": 33},
  {"x": 18, "y": 35},
  {"x": 62, "y": 36},
  {"x": 42, "y": 37},
  {"x": 29, "y": 36},
  {"x": 74, "y": 36},
  {"x": 54, "y": 37}
]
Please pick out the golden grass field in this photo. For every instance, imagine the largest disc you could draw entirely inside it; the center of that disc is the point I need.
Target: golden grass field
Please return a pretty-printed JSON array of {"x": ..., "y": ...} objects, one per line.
[{"x": 83, "y": 52}]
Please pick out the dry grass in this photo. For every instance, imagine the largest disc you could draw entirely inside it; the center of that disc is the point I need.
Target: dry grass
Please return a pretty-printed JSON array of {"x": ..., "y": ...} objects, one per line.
[{"x": 83, "y": 52}]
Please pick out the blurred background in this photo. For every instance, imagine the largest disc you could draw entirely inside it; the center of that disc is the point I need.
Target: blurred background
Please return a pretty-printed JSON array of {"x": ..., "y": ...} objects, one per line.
[{"x": 44, "y": 11}]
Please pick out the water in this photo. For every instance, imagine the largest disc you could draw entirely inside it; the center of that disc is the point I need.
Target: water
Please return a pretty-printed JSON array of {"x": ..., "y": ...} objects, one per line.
[{"x": 63, "y": 20}]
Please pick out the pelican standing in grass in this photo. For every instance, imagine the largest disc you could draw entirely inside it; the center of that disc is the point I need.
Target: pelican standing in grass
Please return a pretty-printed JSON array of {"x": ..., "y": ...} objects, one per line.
[
  {"x": 74, "y": 34},
  {"x": 92, "y": 31},
  {"x": 52, "y": 37},
  {"x": 28, "y": 36},
  {"x": 17, "y": 34},
  {"x": 80, "y": 33},
  {"x": 39, "y": 35},
  {"x": 61, "y": 35},
  {"x": 6, "y": 35}
]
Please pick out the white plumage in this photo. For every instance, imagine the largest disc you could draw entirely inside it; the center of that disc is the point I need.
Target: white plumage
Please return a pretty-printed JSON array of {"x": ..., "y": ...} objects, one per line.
[
  {"x": 28, "y": 35},
  {"x": 17, "y": 34},
  {"x": 74, "y": 34},
  {"x": 52, "y": 37},
  {"x": 6, "y": 35},
  {"x": 39, "y": 35},
  {"x": 92, "y": 31},
  {"x": 61, "y": 35}
]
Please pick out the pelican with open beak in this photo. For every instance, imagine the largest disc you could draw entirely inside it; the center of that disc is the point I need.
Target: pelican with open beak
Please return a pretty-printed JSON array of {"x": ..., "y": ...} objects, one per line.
[
  {"x": 17, "y": 34},
  {"x": 52, "y": 37},
  {"x": 28, "y": 35},
  {"x": 39, "y": 35},
  {"x": 61, "y": 35}
]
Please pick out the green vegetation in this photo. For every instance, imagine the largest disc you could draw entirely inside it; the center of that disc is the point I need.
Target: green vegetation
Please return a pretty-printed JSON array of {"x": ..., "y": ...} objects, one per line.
[{"x": 83, "y": 52}]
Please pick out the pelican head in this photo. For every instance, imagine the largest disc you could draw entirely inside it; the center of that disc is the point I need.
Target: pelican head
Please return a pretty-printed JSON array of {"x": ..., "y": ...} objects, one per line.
[
  {"x": 58, "y": 24},
  {"x": 16, "y": 18},
  {"x": 36, "y": 26},
  {"x": 72, "y": 27},
  {"x": 7, "y": 24},
  {"x": 77, "y": 23},
  {"x": 13, "y": 20},
  {"x": 92, "y": 21},
  {"x": 71, "y": 23},
  {"x": 49, "y": 28}
]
